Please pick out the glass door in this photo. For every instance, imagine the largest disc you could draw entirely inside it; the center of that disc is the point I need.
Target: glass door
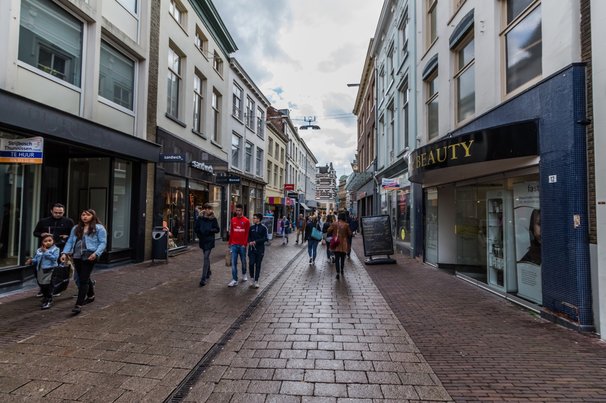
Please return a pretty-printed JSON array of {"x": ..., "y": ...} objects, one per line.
[{"x": 431, "y": 226}]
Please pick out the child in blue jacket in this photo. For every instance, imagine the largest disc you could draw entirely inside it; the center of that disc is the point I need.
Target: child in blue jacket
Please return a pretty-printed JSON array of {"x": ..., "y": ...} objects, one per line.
[{"x": 45, "y": 261}]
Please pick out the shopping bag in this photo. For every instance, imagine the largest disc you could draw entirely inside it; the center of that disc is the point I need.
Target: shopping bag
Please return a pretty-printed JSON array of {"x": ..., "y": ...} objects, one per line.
[
  {"x": 60, "y": 278},
  {"x": 228, "y": 258}
]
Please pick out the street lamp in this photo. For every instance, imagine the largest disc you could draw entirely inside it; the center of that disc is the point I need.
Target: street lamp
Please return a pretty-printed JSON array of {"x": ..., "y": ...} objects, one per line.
[{"x": 308, "y": 123}]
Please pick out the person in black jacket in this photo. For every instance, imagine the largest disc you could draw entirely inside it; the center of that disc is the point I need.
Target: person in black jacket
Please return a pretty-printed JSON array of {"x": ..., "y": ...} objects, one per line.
[
  {"x": 58, "y": 226},
  {"x": 206, "y": 227},
  {"x": 257, "y": 236}
]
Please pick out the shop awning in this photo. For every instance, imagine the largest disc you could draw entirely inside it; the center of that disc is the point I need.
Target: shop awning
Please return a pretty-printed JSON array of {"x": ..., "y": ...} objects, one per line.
[
  {"x": 304, "y": 206},
  {"x": 357, "y": 180}
]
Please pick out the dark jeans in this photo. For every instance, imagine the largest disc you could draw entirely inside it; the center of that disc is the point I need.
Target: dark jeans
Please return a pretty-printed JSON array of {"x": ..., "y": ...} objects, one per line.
[
  {"x": 47, "y": 292},
  {"x": 84, "y": 268},
  {"x": 205, "y": 265},
  {"x": 312, "y": 248},
  {"x": 340, "y": 261},
  {"x": 254, "y": 264}
]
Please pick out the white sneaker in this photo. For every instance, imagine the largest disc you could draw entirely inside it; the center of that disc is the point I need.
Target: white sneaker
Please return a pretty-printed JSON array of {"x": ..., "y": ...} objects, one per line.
[
  {"x": 244, "y": 278},
  {"x": 256, "y": 284},
  {"x": 232, "y": 283}
]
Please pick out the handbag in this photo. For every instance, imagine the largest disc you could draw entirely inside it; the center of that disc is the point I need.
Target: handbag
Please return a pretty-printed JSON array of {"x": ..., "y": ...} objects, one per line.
[
  {"x": 316, "y": 234},
  {"x": 60, "y": 278},
  {"x": 228, "y": 258}
]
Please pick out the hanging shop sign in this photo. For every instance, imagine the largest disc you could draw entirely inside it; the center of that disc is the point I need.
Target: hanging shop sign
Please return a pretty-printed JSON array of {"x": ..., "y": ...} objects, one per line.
[
  {"x": 511, "y": 141},
  {"x": 289, "y": 186},
  {"x": 22, "y": 151},
  {"x": 390, "y": 184},
  {"x": 172, "y": 158},
  {"x": 202, "y": 166}
]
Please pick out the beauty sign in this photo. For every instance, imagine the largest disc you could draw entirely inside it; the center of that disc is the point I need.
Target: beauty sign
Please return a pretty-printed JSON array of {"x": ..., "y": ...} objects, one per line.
[{"x": 22, "y": 151}]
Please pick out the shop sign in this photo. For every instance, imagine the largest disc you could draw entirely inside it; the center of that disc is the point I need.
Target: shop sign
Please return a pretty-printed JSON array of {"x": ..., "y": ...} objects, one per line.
[
  {"x": 202, "y": 166},
  {"x": 172, "y": 158},
  {"x": 511, "y": 141},
  {"x": 22, "y": 151},
  {"x": 228, "y": 180},
  {"x": 289, "y": 186},
  {"x": 390, "y": 184}
]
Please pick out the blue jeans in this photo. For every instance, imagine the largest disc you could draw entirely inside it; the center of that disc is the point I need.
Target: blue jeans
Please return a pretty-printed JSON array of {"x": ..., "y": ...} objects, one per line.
[
  {"x": 312, "y": 248},
  {"x": 237, "y": 250}
]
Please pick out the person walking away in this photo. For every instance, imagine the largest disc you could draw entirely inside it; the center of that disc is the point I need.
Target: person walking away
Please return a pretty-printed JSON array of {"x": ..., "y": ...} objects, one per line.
[
  {"x": 312, "y": 243},
  {"x": 329, "y": 220},
  {"x": 285, "y": 230},
  {"x": 57, "y": 225},
  {"x": 206, "y": 226},
  {"x": 45, "y": 261},
  {"x": 349, "y": 221},
  {"x": 238, "y": 239},
  {"x": 300, "y": 227},
  {"x": 86, "y": 242},
  {"x": 257, "y": 236},
  {"x": 340, "y": 229}
]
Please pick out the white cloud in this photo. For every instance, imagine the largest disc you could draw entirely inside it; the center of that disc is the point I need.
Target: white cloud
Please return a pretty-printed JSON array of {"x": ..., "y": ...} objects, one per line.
[{"x": 302, "y": 54}]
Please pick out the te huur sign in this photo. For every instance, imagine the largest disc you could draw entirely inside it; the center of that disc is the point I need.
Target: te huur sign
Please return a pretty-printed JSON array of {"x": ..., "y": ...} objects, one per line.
[{"x": 511, "y": 141}]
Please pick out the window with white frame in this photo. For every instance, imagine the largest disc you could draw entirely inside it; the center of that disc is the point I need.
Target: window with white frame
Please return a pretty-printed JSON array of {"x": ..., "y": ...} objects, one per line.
[
  {"x": 391, "y": 128},
  {"x": 390, "y": 65},
  {"x": 50, "y": 39},
  {"x": 403, "y": 30},
  {"x": 216, "y": 105},
  {"x": 237, "y": 101},
  {"x": 465, "y": 77},
  {"x": 270, "y": 147},
  {"x": 277, "y": 171},
  {"x": 177, "y": 11},
  {"x": 381, "y": 89},
  {"x": 404, "y": 101},
  {"x": 523, "y": 42},
  {"x": 199, "y": 84},
  {"x": 130, "y": 5},
  {"x": 173, "y": 83},
  {"x": 218, "y": 63},
  {"x": 281, "y": 181},
  {"x": 260, "y": 122},
  {"x": 250, "y": 113},
  {"x": 116, "y": 76},
  {"x": 431, "y": 29},
  {"x": 259, "y": 162},
  {"x": 248, "y": 159},
  {"x": 431, "y": 104},
  {"x": 269, "y": 175},
  {"x": 236, "y": 146},
  {"x": 201, "y": 42}
]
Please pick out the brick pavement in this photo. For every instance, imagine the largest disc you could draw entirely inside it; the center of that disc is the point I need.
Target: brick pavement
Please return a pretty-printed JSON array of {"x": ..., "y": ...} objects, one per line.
[
  {"x": 315, "y": 338},
  {"x": 149, "y": 326},
  {"x": 484, "y": 348}
]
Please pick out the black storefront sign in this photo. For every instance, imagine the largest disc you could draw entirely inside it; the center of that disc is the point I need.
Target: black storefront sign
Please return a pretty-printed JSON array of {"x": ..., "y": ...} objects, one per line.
[
  {"x": 377, "y": 239},
  {"x": 228, "y": 180},
  {"x": 172, "y": 158},
  {"x": 511, "y": 141}
]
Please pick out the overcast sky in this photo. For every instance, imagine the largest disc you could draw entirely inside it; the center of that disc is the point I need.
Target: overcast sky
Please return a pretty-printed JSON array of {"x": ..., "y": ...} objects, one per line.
[{"x": 301, "y": 54}]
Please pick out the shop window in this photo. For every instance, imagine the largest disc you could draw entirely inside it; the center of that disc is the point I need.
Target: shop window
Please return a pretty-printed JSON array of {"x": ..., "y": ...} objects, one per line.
[
  {"x": 248, "y": 157},
  {"x": 523, "y": 43},
  {"x": 173, "y": 213},
  {"x": 174, "y": 83},
  {"x": 122, "y": 203},
  {"x": 199, "y": 85},
  {"x": 116, "y": 76},
  {"x": 237, "y": 102},
  {"x": 89, "y": 187},
  {"x": 236, "y": 147},
  {"x": 403, "y": 214},
  {"x": 465, "y": 78},
  {"x": 431, "y": 226},
  {"x": 50, "y": 39}
]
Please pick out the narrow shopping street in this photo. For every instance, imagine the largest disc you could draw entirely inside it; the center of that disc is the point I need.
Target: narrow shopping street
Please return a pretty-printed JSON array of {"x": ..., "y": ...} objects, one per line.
[{"x": 419, "y": 334}]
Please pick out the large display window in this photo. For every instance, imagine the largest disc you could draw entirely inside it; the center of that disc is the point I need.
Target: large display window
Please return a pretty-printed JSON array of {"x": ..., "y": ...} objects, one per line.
[{"x": 431, "y": 226}]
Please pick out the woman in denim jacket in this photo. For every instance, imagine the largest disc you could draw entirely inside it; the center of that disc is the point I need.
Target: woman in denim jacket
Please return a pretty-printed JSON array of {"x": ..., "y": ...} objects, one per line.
[{"x": 86, "y": 242}]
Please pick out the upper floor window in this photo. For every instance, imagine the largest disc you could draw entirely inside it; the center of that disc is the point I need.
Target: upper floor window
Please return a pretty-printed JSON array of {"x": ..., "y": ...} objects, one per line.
[
  {"x": 404, "y": 101},
  {"x": 50, "y": 39},
  {"x": 236, "y": 146},
  {"x": 259, "y": 162},
  {"x": 431, "y": 103},
  {"x": 201, "y": 42},
  {"x": 174, "y": 83},
  {"x": 250, "y": 113},
  {"x": 216, "y": 105},
  {"x": 178, "y": 12},
  {"x": 404, "y": 34},
  {"x": 249, "y": 156},
  {"x": 390, "y": 64},
  {"x": 381, "y": 89},
  {"x": 116, "y": 76},
  {"x": 237, "y": 102},
  {"x": 218, "y": 63},
  {"x": 523, "y": 42},
  {"x": 199, "y": 82},
  {"x": 130, "y": 5},
  {"x": 465, "y": 78},
  {"x": 269, "y": 177},
  {"x": 431, "y": 21},
  {"x": 260, "y": 122}
]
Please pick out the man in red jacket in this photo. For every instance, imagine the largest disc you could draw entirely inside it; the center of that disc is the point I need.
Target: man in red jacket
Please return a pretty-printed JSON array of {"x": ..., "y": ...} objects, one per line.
[{"x": 238, "y": 240}]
